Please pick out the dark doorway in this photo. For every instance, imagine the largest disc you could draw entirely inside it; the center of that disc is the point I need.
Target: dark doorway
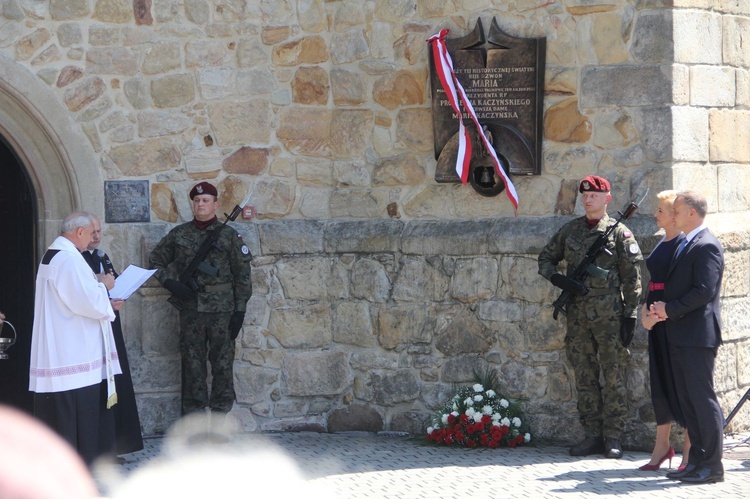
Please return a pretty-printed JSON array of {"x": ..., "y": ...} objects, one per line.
[{"x": 17, "y": 275}]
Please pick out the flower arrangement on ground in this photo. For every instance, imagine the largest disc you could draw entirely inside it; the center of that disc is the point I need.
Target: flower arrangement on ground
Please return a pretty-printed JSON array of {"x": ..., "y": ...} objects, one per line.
[{"x": 478, "y": 416}]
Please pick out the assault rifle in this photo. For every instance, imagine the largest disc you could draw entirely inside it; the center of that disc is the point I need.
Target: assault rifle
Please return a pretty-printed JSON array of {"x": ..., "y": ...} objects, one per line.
[
  {"x": 586, "y": 267},
  {"x": 197, "y": 264}
]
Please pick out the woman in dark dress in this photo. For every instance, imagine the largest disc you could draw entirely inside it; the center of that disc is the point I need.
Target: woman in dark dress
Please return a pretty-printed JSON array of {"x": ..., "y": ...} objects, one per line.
[{"x": 663, "y": 393}]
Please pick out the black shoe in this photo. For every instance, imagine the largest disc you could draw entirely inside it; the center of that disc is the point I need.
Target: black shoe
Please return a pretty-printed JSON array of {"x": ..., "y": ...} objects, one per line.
[
  {"x": 677, "y": 475},
  {"x": 704, "y": 475},
  {"x": 612, "y": 448},
  {"x": 591, "y": 445}
]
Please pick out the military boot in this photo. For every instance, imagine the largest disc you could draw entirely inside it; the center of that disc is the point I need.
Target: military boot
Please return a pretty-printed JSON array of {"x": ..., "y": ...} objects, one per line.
[
  {"x": 590, "y": 445},
  {"x": 612, "y": 448}
]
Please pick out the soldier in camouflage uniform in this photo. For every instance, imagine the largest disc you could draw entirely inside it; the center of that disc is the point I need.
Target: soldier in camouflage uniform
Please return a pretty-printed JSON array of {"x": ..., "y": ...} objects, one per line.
[
  {"x": 601, "y": 316},
  {"x": 212, "y": 316}
]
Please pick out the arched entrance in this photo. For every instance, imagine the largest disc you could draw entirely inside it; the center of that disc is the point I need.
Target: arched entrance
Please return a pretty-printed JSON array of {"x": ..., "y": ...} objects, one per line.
[{"x": 47, "y": 170}]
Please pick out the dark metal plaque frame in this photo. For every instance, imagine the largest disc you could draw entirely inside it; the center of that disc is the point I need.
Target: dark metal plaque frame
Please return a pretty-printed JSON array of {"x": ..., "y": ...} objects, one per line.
[
  {"x": 127, "y": 201},
  {"x": 503, "y": 77}
]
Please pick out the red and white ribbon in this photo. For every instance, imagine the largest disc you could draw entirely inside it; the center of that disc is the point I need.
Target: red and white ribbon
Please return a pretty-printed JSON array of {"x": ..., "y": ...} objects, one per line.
[{"x": 454, "y": 89}]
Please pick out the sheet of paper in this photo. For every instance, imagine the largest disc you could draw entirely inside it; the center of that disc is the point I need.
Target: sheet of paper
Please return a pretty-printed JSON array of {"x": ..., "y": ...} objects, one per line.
[{"x": 129, "y": 281}]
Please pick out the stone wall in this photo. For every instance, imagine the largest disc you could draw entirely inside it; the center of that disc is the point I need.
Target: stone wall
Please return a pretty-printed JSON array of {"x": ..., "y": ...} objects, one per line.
[{"x": 375, "y": 287}]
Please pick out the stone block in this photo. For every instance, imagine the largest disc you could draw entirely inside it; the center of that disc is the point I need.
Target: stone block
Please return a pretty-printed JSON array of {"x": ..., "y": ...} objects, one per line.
[
  {"x": 355, "y": 418},
  {"x": 735, "y": 319},
  {"x": 370, "y": 281},
  {"x": 712, "y": 86},
  {"x": 729, "y": 139},
  {"x": 160, "y": 324},
  {"x": 316, "y": 373},
  {"x": 302, "y": 326},
  {"x": 736, "y": 280},
  {"x": 402, "y": 324},
  {"x": 700, "y": 40},
  {"x": 352, "y": 325},
  {"x": 358, "y": 203},
  {"x": 419, "y": 281},
  {"x": 445, "y": 238},
  {"x": 312, "y": 278},
  {"x": 465, "y": 334},
  {"x": 240, "y": 123},
  {"x": 156, "y": 374},
  {"x": 461, "y": 369},
  {"x": 254, "y": 384},
  {"x": 474, "y": 279},
  {"x": 725, "y": 374},
  {"x": 734, "y": 36},
  {"x": 393, "y": 387},
  {"x": 605, "y": 86},
  {"x": 690, "y": 131},
  {"x": 412, "y": 422},
  {"x": 520, "y": 280},
  {"x": 742, "y": 86},
  {"x": 292, "y": 237},
  {"x": 373, "y": 236},
  {"x": 652, "y": 41},
  {"x": 525, "y": 382},
  {"x": 402, "y": 169}
]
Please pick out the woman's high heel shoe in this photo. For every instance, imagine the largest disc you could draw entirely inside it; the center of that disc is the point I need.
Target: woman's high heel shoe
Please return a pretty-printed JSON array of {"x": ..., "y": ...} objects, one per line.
[{"x": 653, "y": 467}]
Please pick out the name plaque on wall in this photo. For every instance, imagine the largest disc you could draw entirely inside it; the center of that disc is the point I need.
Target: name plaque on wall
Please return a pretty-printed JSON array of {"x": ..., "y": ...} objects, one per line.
[
  {"x": 126, "y": 201},
  {"x": 503, "y": 77}
]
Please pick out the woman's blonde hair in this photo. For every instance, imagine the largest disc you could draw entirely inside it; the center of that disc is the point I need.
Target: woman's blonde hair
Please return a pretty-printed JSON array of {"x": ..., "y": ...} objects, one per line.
[{"x": 669, "y": 196}]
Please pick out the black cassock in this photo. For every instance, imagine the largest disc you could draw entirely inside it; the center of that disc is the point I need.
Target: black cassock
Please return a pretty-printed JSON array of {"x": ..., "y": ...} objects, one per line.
[{"x": 128, "y": 436}]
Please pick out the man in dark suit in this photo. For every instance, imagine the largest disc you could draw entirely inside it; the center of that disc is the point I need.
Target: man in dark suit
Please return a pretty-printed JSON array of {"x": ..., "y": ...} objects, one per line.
[{"x": 693, "y": 324}]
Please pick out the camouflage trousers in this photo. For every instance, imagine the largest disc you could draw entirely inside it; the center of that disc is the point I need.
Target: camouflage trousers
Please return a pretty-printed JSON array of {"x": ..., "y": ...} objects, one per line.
[
  {"x": 205, "y": 336},
  {"x": 593, "y": 346}
]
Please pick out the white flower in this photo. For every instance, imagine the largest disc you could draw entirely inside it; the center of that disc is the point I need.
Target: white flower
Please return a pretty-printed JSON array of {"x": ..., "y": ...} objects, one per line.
[
  {"x": 516, "y": 422},
  {"x": 505, "y": 422},
  {"x": 504, "y": 403},
  {"x": 455, "y": 407},
  {"x": 478, "y": 398},
  {"x": 455, "y": 414},
  {"x": 468, "y": 401},
  {"x": 527, "y": 438},
  {"x": 444, "y": 419},
  {"x": 496, "y": 423},
  {"x": 470, "y": 411},
  {"x": 491, "y": 393},
  {"x": 478, "y": 388},
  {"x": 477, "y": 417},
  {"x": 487, "y": 410},
  {"x": 429, "y": 429},
  {"x": 496, "y": 416}
]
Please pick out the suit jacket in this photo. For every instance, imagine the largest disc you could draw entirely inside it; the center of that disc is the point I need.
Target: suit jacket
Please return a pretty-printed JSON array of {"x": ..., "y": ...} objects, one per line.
[{"x": 691, "y": 293}]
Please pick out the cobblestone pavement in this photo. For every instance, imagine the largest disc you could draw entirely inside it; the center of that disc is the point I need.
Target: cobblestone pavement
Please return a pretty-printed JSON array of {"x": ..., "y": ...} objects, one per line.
[{"x": 370, "y": 466}]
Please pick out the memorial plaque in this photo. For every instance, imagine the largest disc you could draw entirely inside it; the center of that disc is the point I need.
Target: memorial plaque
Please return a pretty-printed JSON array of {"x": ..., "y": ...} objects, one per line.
[
  {"x": 503, "y": 78},
  {"x": 126, "y": 201}
]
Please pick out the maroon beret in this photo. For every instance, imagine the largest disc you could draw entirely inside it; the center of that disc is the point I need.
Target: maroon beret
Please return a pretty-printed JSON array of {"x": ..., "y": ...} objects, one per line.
[
  {"x": 203, "y": 188},
  {"x": 593, "y": 183}
]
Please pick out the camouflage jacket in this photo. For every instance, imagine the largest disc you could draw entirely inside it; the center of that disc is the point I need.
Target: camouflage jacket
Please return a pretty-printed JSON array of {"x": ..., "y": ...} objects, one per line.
[
  {"x": 622, "y": 267},
  {"x": 230, "y": 289}
]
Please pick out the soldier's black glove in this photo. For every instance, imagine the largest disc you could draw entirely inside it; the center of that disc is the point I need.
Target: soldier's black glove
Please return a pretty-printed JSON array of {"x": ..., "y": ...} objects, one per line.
[
  {"x": 178, "y": 289},
  {"x": 235, "y": 324},
  {"x": 627, "y": 331},
  {"x": 567, "y": 284}
]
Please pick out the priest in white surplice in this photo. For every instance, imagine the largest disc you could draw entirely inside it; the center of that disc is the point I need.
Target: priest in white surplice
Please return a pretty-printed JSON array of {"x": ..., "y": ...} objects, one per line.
[{"x": 73, "y": 354}]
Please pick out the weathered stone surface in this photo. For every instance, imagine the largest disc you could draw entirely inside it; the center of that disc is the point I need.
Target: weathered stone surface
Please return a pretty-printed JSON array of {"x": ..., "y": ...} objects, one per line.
[
  {"x": 142, "y": 10},
  {"x": 636, "y": 86},
  {"x": 163, "y": 57},
  {"x": 353, "y": 237},
  {"x": 445, "y": 238},
  {"x": 394, "y": 387},
  {"x": 352, "y": 325},
  {"x": 137, "y": 93},
  {"x": 29, "y": 44},
  {"x": 474, "y": 279},
  {"x": 240, "y": 123},
  {"x": 111, "y": 61},
  {"x": 84, "y": 93},
  {"x": 607, "y": 38},
  {"x": 349, "y": 46},
  {"x": 734, "y": 188},
  {"x": 564, "y": 123},
  {"x": 142, "y": 158},
  {"x": 465, "y": 334},
  {"x": 247, "y": 160},
  {"x": 400, "y": 89},
  {"x": 404, "y": 169},
  {"x": 63, "y": 10},
  {"x": 68, "y": 75},
  {"x": 308, "y": 50},
  {"x": 302, "y": 327},
  {"x": 700, "y": 40},
  {"x": 157, "y": 124},
  {"x": 712, "y": 86},
  {"x": 414, "y": 129},
  {"x": 652, "y": 37},
  {"x": 347, "y": 88},
  {"x": 113, "y": 11},
  {"x": 461, "y": 369},
  {"x": 163, "y": 203},
  {"x": 312, "y": 15},
  {"x": 420, "y": 281},
  {"x": 310, "y": 86},
  {"x": 197, "y": 11},
  {"x": 205, "y": 53},
  {"x": 729, "y": 136},
  {"x": 613, "y": 130},
  {"x": 402, "y": 325},
  {"x": 173, "y": 90},
  {"x": 370, "y": 281},
  {"x": 253, "y": 383},
  {"x": 316, "y": 373},
  {"x": 310, "y": 278},
  {"x": 355, "y": 418},
  {"x": 273, "y": 198},
  {"x": 304, "y": 236}
]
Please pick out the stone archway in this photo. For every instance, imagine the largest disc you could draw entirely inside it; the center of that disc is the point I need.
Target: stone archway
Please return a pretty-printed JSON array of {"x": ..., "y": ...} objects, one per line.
[{"x": 57, "y": 156}]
